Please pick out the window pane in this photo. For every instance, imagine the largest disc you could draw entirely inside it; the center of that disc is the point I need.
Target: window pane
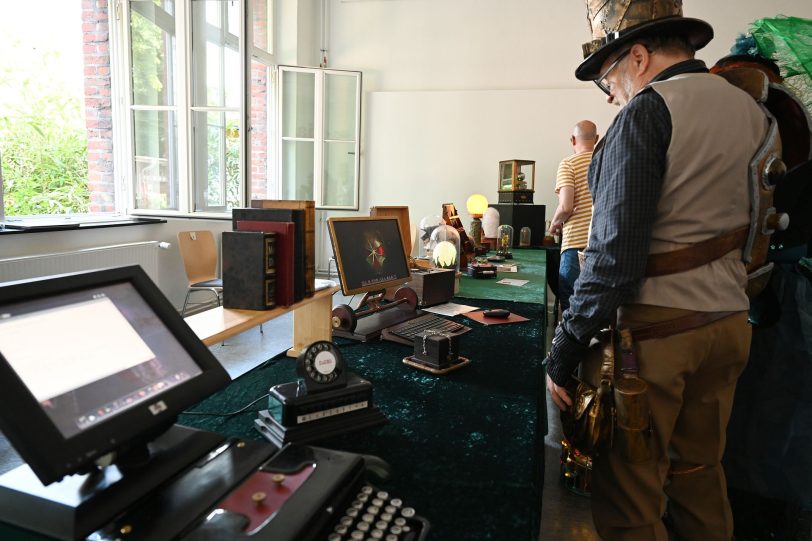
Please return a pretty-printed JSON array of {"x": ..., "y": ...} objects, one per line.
[
  {"x": 262, "y": 166},
  {"x": 155, "y": 136},
  {"x": 217, "y": 161},
  {"x": 338, "y": 182},
  {"x": 297, "y": 170},
  {"x": 216, "y": 62},
  {"x": 153, "y": 52},
  {"x": 298, "y": 96},
  {"x": 340, "y": 107},
  {"x": 56, "y": 108}
]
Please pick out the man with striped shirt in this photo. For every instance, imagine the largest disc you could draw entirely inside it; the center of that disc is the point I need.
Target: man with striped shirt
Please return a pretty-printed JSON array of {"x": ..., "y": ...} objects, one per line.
[{"x": 574, "y": 212}]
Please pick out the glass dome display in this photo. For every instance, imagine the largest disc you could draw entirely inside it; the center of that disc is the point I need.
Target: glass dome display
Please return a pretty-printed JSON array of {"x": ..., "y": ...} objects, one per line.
[
  {"x": 444, "y": 248},
  {"x": 426, "y": 226},
  {"x": 524, "y": 237},
  {"x": 504, "y": 241}
]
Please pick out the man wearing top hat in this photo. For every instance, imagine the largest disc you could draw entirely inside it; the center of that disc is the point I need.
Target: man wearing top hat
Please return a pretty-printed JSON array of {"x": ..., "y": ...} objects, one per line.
[{"x": 671, "y": 172}]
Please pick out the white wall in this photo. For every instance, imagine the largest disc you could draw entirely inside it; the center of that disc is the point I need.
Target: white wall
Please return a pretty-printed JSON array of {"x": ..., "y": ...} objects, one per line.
[
  {"x": 454, "y": 86},
  {"x": 171, "y": 279}
]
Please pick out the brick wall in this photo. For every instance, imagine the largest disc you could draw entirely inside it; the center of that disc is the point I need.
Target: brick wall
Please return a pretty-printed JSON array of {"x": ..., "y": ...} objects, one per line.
[
  {"x": 258, "y": 175},
  {"x": 98, "y": 104}
]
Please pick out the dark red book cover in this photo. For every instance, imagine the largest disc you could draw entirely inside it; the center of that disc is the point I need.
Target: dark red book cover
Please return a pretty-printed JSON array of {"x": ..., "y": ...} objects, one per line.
[{"x": 285, "y": 238}]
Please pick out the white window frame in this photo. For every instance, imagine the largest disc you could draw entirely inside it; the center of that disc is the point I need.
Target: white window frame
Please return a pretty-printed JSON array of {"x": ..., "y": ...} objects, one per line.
[
  {"x": 318, "y": 133},
  {"x": 183, "y": 107}
]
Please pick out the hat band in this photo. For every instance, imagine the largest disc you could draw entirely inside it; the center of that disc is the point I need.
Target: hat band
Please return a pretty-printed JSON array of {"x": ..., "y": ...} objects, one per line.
[{"x": 592, "y": 46}]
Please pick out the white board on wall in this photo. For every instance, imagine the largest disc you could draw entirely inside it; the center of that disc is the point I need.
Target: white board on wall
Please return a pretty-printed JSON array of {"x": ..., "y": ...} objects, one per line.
[{"x": 423, "y": 149}]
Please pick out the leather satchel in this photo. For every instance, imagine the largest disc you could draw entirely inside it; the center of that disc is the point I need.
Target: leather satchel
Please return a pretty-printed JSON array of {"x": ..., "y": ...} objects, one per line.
[{"x": 589, "y": 424}]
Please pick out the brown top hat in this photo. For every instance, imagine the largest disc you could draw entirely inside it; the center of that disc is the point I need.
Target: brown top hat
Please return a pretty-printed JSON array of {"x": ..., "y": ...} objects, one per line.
[{"x": 616, "y": 23}]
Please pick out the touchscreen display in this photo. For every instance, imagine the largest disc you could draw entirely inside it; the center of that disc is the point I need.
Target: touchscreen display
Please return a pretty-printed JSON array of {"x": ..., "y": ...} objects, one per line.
[{"x": 87, "y": 356}]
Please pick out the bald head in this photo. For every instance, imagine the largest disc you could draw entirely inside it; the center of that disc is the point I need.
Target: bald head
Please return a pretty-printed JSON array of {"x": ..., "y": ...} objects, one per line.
[{"x": 584, "y": 136}]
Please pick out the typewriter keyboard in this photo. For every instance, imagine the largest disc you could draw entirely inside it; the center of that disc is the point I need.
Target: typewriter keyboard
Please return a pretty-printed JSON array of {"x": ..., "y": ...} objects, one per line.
[
  {"x": 405, "y": 332},
  {"x": 374, "y": 515}
]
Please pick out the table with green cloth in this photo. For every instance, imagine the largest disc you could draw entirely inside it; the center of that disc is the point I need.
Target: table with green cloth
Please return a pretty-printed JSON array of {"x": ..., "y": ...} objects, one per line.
[{"x": 466, "y": 448}]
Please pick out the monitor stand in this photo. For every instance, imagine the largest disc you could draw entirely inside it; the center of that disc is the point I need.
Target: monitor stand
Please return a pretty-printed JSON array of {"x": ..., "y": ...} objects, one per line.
[
  {"x": 82, "y": 504},
  {"x": 366, "y": 322}
]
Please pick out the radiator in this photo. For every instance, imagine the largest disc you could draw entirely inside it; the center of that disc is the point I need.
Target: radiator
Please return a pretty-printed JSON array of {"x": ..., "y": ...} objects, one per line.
[{"x": 119, "y": 255}]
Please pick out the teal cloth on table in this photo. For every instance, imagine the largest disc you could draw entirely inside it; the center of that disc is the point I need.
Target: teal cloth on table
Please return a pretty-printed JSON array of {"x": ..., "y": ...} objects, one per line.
[
  {"x": 466, "y": 448},
  {"x": 531, "y": 266}
]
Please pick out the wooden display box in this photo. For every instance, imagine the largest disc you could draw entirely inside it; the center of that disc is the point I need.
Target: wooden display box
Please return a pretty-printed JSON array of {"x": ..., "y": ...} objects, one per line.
[{"x": 433, "y": 286}]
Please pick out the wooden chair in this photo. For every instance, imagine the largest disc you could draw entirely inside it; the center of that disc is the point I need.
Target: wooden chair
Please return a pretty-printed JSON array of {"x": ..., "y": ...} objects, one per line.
[{"x": 199, "y": 253}]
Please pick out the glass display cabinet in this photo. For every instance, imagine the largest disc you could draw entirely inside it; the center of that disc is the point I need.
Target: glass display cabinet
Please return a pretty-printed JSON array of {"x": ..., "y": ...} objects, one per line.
[{"x": 517, "y": 181}]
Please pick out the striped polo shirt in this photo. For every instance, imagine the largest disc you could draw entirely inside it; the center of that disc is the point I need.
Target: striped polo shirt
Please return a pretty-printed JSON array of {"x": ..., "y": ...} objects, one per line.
[{"x": 572, "y": 172}]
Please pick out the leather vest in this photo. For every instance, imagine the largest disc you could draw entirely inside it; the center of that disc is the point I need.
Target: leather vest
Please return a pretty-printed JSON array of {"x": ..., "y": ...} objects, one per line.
[{"x": 716, "y": 130}]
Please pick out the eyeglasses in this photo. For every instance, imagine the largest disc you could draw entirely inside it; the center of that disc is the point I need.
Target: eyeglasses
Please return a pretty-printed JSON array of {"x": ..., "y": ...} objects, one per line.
[{"x": 601, "y": 81}]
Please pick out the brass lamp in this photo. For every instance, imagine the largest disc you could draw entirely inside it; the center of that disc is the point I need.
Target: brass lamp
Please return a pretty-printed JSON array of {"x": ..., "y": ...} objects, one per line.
[{"x": 477, "y": 204}]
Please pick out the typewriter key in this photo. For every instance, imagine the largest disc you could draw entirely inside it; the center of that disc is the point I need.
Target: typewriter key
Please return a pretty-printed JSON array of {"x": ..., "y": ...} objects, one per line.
[
  {"x": 395, "y": 530},
  {"x": 386, "y": 517},
  {"x": 400, "y": 521},
  {"x": 359, "y": 536},
  {"x": 367, "y": 517},
  {"x": 397, "y": 502},
  {"x": 373, "y": 509},
  {"x": 376, "y": 534},
  {"x": 391, "y": 509},
  {"x": 333, "y": 537},
  {"x": 377, "y": 501},
  {"x": 340, "y": 529},
  {"x": 383, "y": 495},
  {"x": 351, "y": 512},
  {"x": 407, "y": 512},
  {"x": 363, "y": 526},
  {"x": 362, "y": 497},
  {"x": 381, "y": 525},
  {"x": 358, "y": 504},
  {"x": 391, "y": 537},
  {"x": 367, "y": 489}
]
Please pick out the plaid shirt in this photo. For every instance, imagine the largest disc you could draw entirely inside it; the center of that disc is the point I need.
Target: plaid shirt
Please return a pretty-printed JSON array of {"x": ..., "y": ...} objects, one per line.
[{"x": 626, "y": 179}]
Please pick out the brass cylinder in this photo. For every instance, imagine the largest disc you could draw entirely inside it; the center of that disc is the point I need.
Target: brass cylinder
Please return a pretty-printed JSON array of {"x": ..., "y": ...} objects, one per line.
[{"x": 633, "y": 418}]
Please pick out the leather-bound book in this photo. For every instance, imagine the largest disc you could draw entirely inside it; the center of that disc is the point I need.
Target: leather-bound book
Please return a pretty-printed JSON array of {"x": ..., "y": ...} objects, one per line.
[
  {"x": 285, "y": 271},
  {"x": 249, "y": 270},
  {"x": 296, "y": 216},
  {"x": 309, "y": 208}
]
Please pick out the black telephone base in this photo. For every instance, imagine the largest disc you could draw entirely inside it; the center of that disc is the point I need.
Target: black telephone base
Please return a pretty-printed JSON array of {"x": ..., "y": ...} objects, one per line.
[{"x": 318, "y": 430}]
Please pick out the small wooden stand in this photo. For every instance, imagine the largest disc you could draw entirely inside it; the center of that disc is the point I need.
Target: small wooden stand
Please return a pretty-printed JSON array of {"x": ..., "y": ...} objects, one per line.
[{"x": 414, "y": 363}]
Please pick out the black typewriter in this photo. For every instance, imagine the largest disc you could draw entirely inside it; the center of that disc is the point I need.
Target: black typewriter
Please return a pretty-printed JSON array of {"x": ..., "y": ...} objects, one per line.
[{"x": 405, "y": 333}]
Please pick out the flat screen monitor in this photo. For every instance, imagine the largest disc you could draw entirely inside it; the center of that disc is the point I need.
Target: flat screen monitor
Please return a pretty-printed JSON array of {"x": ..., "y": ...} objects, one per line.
[
  {"x": 369, "y": 253},
  {"x": 94, "y": 363}
]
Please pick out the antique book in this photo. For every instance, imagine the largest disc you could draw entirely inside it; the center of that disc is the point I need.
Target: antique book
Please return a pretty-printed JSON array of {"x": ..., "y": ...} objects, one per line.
[
  {"x": 249, "y": 270},
  {"x": 295, "y": 216},
  {"x": 285, "y": 240},
  {"x": 309, "y": 208}
]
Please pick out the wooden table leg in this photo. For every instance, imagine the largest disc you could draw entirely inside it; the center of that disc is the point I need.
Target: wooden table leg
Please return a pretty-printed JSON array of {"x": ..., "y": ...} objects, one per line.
[{"x": 312, "y": 322}]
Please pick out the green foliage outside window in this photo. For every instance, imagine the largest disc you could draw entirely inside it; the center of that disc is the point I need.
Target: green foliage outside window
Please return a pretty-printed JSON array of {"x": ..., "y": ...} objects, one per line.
[{"x": 43, "y": 144}]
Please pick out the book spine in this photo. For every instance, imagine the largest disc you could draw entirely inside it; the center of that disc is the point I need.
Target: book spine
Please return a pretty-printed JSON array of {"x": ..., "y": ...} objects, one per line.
[{"x": 309, "y": 208}]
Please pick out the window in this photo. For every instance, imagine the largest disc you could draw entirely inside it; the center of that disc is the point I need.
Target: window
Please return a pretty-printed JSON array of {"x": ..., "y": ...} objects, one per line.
[
  {"x": 320, "y": 118},
  {"x": 193, "y": 127},
  {"x": 181, "y": 96},
  {"x": 55, "y": 109}
]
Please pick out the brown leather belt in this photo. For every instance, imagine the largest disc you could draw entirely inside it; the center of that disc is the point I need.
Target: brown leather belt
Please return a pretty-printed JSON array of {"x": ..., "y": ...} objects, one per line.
[
  {"x": 695, "y": 255},
  {"x": 678, "y": 325}
]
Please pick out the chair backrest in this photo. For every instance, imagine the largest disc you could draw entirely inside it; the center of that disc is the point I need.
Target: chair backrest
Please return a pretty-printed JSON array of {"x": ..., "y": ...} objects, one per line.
[{"x": 199, "y": 253}]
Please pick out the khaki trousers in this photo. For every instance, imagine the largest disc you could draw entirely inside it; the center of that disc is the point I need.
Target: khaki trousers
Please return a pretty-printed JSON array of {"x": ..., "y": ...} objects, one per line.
[{"x": 691, "y": 379}]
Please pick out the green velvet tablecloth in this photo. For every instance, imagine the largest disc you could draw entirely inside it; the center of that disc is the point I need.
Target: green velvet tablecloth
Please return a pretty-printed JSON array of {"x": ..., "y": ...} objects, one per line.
[
  {"x": 531, "y": 266},
  {"x": 466, "y": 448}
]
